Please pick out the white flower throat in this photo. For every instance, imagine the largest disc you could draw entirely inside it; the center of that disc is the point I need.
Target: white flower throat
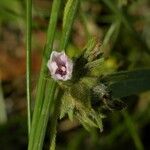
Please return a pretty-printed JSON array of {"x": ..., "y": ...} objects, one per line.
[{"x": 61, "y": 70}]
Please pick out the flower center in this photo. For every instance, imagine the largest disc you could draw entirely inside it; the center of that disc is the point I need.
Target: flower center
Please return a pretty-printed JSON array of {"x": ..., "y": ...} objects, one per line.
[{"x": 61, "y": 70}]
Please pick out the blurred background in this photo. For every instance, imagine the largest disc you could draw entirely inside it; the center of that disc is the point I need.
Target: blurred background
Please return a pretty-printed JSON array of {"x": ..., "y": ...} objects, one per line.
[{"x": 125, "y": 24}]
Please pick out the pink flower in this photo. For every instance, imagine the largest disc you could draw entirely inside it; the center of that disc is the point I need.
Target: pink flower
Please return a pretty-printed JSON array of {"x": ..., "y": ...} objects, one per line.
[{"x": 60, "y": 66}]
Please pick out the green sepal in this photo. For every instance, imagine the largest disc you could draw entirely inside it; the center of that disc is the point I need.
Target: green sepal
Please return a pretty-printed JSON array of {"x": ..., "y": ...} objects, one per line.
[
  {"x": 89, "y": 47},
  {"x": 67, "y": 106},
  {"x": 81, "y": 93}
]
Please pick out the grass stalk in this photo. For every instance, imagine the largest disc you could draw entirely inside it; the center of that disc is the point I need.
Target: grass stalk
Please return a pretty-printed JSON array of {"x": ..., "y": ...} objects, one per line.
[
  {"x": 54, "y": 118},
  {"x": 121, "y": 128},
  {"x": 43, "y": 119},
  {"x": 28, "y": 60},
  {"x": 41, "y": 112},
  {"x": 125, "y": 20},
  {"x": 69, "y": 16},
  {"x": 42, "y": 81},
  {"x": 3, "y": 113},
  {"x": 68, "y": 19},
  {"x": 133, "y": 131}
]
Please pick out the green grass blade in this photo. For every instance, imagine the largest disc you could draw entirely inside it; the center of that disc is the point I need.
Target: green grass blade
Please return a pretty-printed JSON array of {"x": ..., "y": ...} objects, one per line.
[
  {"x": 118, "y": 12},
  {"x": 69, "y": 16},
  {"x": 43, "y": 118},
  {"x": 40, "y": 131},
  {"x": 133, "y": 131},
  {"x": 113, "y": 30},
  {"x": 42, "y": 82},
  {"x": 3, "y": 113},
  {"x": 28, "y": 60},
  {"x": 125, "y": 18},
  {"x": 54, "y": 117},
  {"x": 120, "y": 129}
]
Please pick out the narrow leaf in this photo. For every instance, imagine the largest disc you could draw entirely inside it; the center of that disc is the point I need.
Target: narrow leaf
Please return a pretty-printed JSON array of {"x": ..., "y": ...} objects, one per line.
[
  {"x": 69, "y": 15},
  {"x": 128, "y": 82}
]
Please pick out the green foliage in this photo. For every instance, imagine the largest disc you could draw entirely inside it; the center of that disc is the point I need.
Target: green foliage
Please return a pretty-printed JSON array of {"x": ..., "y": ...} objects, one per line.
[
  {"x": 128, "y": 82},
  {"x": 67, "y": 106},
  {"x": 3, "y": 114},
  {"x": 133, "y": 131},
  {"x": 88, "y": 93},
  {"x": 12, "y": 12},
  {"x": 89, "y": 47},
  {"x": 75, "y": 107},
  {"x": 43, "y": 101},
  {"x": 28, "y": 60},
  {"x": 44, "y": 116},
  {"x": 36, "y": 126},
  {"x": 77, "y": 99},
  {"x": 93, "y": 89},
  {"x": 68, "y": 18},
  {"x": 81, "y": 92}
]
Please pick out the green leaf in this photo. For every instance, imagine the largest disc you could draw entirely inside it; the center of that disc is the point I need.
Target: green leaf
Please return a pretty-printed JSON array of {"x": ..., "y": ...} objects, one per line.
[
  {"x": 128, "y": 82},
  {"x": 69, "y": 16},
  {"x": 89, "y": 46},
  {"x": 67, "y": 106},
  {"x": 98, "y": 119},
  {"x": 90, "y": 119},
  {"x": 84, "y": 119},
  {"x": 44, "y": 116},
  {"x": 94, "y": 64},
  {"x": 14, "y": 6},
  {"x": 131, "y": 126},
  {"x": 124, "y": 18},
  {"x": 54, "y": 119},
  {"x": 81, "y": 93},
  {"x": 111, "y": 35},
  {"x": 85, "y": 125},
  {"x": 116, "y": 104}
]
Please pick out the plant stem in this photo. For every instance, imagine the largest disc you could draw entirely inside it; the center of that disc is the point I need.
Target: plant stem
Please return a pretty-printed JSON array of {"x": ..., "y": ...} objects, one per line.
[
  {"x": 133, "y": 131},
  {"x": 43, "y": 119},
  {"x": 38, "y": 131},
  {"x": 42, "y": 82},
  {"x": 28, "y": 60},
  {"x": 3, "y": 113},
  {"x": 68, "y": 19},
  {"x": 54, "y": 120}
]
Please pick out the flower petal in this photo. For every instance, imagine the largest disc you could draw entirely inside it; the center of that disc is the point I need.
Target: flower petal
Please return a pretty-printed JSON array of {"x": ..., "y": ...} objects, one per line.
[{"x": 57, "y": 63}]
